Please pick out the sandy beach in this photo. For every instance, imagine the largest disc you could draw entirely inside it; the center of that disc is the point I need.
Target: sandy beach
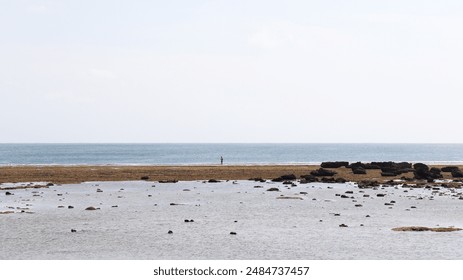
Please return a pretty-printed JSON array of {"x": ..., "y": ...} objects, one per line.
[{"x": 77, "y": 174}]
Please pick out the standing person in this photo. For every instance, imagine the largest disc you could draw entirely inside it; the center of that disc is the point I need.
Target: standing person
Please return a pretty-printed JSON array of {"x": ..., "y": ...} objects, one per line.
[{"x": 221, "y": 160}]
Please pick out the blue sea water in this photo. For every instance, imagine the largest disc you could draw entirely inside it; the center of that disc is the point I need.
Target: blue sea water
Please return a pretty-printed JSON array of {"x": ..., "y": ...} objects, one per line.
[{"x": 183, "y": 154}]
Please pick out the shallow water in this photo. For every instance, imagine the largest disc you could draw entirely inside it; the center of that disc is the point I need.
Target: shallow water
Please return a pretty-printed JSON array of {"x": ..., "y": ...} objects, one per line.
[{"x": 266, "y": 227}]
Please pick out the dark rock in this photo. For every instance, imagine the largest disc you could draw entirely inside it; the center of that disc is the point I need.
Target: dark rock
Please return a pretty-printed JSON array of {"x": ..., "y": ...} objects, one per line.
[
  {"x": 359, "y": 171},
  {"x": 422, "y": 172},
  {"x": 213, "y": 181},
  {"x": 328, "y": 180},
  {"x": 450, "y": 168},
  {"x": 258, "y": 187},
  {"x": 50, "y": 184},
  {"x": 457, "y": 174},
  {"x": 8, "y": 193},
  {"x": 170, "y": 232},
  {"x": 340, "y": 180},
  {"x": 358, "y": 205},
  {"x": 90, "y": 208},
  {"x": 168, "y": 181},
  {"x": 391, "y": 164},
  {"x": 423, "y": 166},
  {"x": 233, "y": 233},
  {"x": 70, "y": 207},
  {"x": 99, "y": 190},
  {"x": 388, "y": 174},
  {"x": 334, "y": 164},
  {"x": 435, "y": 170},
  {"x": 381, "y": 195},
  {"x": 145, "y": 178},
  {"x": 309, "y": 179},
  {"x": 323, "y": 172},
  {"x": 349, "y": 192},
  {"x": 343, "y": 225},
  {"x": 257, "y": 180},
  {"x": 73, "y": 230},
  {"x": 273, "y": 190},
  {"x": 344, "y": 196},
  {"x": 288, "y": 177},
  {"x": 366, "y": 195},
  {"x": 287, "y": 183}
]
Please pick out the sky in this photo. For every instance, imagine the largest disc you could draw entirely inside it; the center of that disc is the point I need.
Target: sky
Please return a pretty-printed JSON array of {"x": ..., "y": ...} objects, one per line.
[{"x": 231, "y": 71}]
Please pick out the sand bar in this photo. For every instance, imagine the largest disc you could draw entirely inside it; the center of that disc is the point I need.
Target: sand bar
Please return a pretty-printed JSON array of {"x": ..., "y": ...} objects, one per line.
[{"x": 77, "y": 174}]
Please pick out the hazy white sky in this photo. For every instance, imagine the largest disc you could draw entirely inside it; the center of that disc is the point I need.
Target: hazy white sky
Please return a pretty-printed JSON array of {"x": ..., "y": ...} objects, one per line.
[{"x": 231, "y": 71}]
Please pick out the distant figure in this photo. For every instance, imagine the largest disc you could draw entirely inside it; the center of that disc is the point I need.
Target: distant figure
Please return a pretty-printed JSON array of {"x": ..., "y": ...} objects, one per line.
[{"x": 221, "y": 160}]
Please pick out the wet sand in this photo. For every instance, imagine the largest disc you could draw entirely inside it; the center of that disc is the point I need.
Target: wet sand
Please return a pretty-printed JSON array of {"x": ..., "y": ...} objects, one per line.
[{"x": 77, "y": 174}]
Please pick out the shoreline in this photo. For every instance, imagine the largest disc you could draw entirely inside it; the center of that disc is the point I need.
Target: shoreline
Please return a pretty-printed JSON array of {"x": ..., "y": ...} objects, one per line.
[{"x": 66, "y": 174}]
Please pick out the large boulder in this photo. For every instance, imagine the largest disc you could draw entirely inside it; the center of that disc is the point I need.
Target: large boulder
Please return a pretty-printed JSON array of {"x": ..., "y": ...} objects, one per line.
[
  {"x": 422, "y": 172},
  {"x": 450, "y": 168},
  {"x": 421, "y": 166},
  {"x": 457, "y": 174}
]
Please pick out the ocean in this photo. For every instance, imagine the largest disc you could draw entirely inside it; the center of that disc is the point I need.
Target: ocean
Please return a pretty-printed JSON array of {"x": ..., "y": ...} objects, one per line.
[{"x": 184, "y": 154}]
